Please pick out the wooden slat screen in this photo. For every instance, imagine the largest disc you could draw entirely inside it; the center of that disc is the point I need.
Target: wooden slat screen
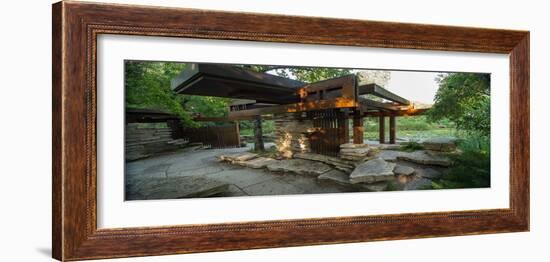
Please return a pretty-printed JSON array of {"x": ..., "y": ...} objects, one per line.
[
  {"x": 212, "y": 136},
  {"x": 332, "y": 131}
]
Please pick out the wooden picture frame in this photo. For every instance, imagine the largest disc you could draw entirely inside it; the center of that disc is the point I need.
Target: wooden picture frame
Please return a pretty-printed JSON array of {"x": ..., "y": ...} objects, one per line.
[{"x": 76, "y": 26}]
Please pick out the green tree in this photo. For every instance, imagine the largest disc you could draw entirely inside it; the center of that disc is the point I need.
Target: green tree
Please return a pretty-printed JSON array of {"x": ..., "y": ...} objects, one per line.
[
  {"x": 464, "y": 98},
  {"x": 147, "y": 85},
  {"x": 304, "y": 74}
]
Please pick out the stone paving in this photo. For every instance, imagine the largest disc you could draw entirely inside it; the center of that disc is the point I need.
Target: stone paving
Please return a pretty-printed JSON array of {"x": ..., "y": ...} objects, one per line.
[
  {"x": 197, "y": 172},
  {"x": 146, "y": 178}
]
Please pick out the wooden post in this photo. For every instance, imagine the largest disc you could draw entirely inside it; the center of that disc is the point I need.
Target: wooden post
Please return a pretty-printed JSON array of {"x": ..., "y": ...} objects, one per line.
[
  {"x": 258, "y": 135},
  {"x": 392, "y": 129},
  {"x": 357, "y": 129},
  {"x": 346, "y": 130},
  {"x": 381, "y": 131},
  {"x": 238, "y": 131}
]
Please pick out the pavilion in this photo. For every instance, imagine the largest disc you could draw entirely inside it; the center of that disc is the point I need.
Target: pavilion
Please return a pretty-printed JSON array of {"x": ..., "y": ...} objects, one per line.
[{"x": 308, "y": 116}]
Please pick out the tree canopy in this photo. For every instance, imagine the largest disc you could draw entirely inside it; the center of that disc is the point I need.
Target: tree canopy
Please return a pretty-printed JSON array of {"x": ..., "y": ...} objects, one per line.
[
  {"x": 147, "y": 85},
  {"x": 464, "y": 98},
  {"x": 304, "y": 74}
]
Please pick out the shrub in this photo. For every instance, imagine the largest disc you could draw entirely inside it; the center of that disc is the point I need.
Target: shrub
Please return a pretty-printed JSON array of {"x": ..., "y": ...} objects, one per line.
[{"x": 472, "y": 168}]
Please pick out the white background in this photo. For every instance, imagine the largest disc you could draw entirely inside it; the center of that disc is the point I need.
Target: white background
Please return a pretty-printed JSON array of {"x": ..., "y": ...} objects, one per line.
[{"x": 25, "y": 134}]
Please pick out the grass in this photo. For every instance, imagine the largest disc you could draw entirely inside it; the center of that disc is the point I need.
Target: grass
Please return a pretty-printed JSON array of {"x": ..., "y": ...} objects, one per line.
[
  {"x": 413, "y": 135},
  {"x": 412, "y": 128}
]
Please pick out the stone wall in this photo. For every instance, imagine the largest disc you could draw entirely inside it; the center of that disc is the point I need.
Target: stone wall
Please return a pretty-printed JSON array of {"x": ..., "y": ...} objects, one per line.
[
  {"x": 291, "y": 134},
  {"x": 144, "y": 140}
]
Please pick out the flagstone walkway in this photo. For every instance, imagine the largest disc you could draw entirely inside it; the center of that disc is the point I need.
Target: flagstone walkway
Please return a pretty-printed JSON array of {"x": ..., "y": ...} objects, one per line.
[{"x": 198, "y": 173}]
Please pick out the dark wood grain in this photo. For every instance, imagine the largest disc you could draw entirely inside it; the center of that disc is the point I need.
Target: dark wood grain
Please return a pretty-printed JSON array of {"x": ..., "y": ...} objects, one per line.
[
  {"x": 57, "y": 195},
  {"x": 75, "y": 29}
]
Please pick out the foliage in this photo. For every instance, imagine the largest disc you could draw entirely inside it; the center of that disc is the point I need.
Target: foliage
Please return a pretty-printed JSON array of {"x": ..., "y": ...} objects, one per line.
[
  {"x": 304, "y": 74},
  {"x": 464, "y": 99},
  {"x": 471, "y": 169},
  {"x": 475, "y": 143},
  {"x": 411, "y": 146},
  {"x": 416, "y": 123},
  {"x": 246, "y": 127},
  {"x": 147, "y": 85}
]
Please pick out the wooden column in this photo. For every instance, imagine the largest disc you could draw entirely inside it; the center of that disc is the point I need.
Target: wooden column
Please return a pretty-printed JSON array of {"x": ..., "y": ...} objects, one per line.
[
  {"x": 258, "y": 135},
  {"x": 381, "y": 131},
  {"x": 392, "y": 129},
  {"x": 346, "y": 130},
  {"x": 357, "y": 129},
  {"x": 238, "y": 131}
]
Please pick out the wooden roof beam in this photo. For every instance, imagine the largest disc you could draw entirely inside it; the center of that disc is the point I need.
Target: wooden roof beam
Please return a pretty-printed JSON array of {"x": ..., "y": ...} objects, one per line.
[
  {"x": 379, "y": 91},
  {"x": 345, "y": 83},
  {"x": 228, "y": 118},
  {"x": 403, "y": 112},
  {"x": 366, "y": 104},
  {"x": 296, "y": 107}
]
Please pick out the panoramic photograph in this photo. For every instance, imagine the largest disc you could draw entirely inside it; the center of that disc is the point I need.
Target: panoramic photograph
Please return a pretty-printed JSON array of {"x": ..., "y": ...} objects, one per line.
[{"x": 200, "y": 130}]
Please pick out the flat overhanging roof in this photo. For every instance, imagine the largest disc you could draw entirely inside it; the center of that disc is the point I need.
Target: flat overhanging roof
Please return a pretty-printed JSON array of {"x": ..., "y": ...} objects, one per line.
[
  {"x": 234, "y": 82},
  {"x": 256, "y": 94}
]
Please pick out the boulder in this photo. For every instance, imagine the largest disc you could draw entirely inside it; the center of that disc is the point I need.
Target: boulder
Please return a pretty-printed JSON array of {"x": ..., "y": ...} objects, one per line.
[
  {"x": 374, "y": 170},
  {"x": 442, "y": 144},
  {"x": 299, "y": 166},
  {"x": 336, "y": 176},
  {"x": 418, "y": 184},
  {"x": 425, "y": 157},
  {"x": 403, "y": 170},
  {"x": 376, "y": 187},
  {"x": 403, "y": 179},
  {"x": 429, "y": 173},
  {"x": 342, "y": 179},
  {"x": 344, "y": 169}
]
